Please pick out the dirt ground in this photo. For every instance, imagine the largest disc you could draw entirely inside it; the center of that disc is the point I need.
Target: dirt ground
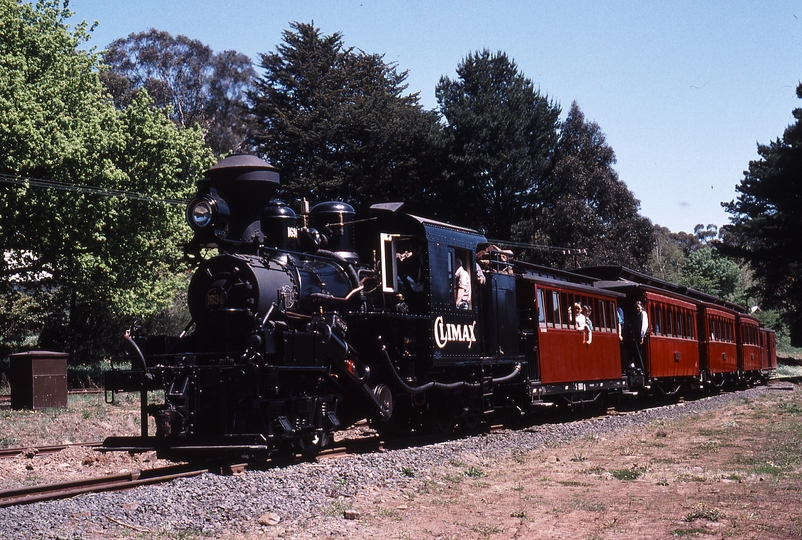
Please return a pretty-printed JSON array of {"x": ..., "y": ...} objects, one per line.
[{"x": 733, "y": 473}]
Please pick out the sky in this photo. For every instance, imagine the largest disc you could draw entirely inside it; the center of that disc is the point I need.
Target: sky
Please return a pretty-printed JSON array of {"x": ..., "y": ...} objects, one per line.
[{"x": 683, "y": 90}]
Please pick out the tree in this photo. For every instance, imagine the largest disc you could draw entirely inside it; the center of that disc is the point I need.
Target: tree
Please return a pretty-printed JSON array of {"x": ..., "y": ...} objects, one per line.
[
  {"x": 501, "y": 135},
  {"x": 705, "y": 235},
  {"x": 669, "y": 254},
  {"x": 764, "y": 223},
  {"x": 707, "y": 271},
  {"x": 77, "y": 260},
  {"x": 335, "y": 121},
  {"x": 585, "y": 204},
  {"x": 201, "y": 87}
]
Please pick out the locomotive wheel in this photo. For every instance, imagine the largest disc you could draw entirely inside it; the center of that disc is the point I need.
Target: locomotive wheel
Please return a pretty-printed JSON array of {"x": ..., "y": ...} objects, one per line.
[
  {"x": 310, "y": 445},
  {"x": 470, "y": 422},
  {"x": 439, "y": 415}
]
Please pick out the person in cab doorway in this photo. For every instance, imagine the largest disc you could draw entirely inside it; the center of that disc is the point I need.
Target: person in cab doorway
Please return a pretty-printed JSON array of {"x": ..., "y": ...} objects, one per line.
[{"x": 462, "y": 286}]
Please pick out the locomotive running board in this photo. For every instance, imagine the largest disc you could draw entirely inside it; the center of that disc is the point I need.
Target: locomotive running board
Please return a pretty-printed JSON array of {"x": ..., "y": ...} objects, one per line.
[{"x": 239, "y": 443}]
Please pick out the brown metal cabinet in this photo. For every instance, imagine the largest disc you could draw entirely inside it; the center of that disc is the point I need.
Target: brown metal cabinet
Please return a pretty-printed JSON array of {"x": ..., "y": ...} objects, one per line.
[{"x": 39, "y": 380}]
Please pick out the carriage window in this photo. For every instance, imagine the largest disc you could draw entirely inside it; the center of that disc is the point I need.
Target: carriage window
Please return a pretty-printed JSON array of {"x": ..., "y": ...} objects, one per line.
[
  {"x": 555, "y": 307},
  {"x": 541, "y": 306},
  {"x": 564, "y": 308},
  {"x": 657, "y": 319}
]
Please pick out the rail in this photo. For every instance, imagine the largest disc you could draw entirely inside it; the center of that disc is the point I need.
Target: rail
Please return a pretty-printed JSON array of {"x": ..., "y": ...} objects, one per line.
[{"x": 62, "y": 490}]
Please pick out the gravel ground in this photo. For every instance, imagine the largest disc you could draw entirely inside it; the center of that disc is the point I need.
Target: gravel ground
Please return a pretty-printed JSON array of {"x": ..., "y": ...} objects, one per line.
[{"x": 301, "y": 498}]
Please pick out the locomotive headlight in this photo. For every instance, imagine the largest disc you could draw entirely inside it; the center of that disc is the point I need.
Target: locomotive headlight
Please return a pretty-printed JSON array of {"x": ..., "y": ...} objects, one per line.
[
  {"x": 207, "y": 211},
  {"x": 201, "y": 214}
]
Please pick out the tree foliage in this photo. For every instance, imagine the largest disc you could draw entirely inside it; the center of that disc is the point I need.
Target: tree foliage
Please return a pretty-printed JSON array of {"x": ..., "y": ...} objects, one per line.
[
  {"x": 337, "y": 124},
  {"x": 669, "y": 253},
  {"x": 501, "y": 135},
  {"x": 80, "y": 260},
  {"x": 765, "y": 218},
  {"x": 199, "y": 86},
  {"x": 585, "y": 205},
  {"x": 707, "y": 271}
]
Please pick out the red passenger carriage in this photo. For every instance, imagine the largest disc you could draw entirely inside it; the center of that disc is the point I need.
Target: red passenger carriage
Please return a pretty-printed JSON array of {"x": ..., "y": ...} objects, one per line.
[
  {"x": 719, "y": 352},
  {"x": 749, "y": 354},
  {"x": 565, "y": 361}
]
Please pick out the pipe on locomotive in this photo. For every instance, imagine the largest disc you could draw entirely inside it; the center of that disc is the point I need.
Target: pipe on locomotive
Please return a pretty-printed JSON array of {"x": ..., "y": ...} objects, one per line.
[
  {"x": 127, "y": 337},
  {"x": 437, "y": 385}
]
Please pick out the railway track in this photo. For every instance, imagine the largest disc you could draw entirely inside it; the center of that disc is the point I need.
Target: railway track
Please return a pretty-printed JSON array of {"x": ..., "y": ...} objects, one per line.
[
  {"x": 9, "y": 453},
  {"x": 62, "y": 490}
]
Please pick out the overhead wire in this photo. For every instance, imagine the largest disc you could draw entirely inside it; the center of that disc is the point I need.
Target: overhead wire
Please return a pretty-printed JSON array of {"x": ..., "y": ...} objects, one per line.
[{"x": 83, "y": 188}]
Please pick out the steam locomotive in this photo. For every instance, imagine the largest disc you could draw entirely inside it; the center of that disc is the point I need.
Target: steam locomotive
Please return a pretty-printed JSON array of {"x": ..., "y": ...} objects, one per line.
[{"x": 303, "y": 324}]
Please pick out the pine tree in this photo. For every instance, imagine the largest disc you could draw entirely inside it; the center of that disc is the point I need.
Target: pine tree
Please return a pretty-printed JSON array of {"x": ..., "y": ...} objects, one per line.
[{"x": 766, "y": 216}]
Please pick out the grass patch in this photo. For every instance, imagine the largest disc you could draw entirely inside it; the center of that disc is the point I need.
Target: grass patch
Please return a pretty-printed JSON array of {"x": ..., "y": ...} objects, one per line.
[
  {"x": 767, "y": 469},
  {"x": 627, "y": 474}
]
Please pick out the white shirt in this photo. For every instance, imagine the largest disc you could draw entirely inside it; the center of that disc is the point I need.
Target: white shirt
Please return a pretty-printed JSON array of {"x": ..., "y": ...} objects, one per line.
[{"x": 463, "y": 283}]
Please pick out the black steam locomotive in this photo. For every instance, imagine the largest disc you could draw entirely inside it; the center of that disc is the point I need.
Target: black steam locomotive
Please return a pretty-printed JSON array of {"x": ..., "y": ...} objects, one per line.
[{"x": 306, "y": 323}]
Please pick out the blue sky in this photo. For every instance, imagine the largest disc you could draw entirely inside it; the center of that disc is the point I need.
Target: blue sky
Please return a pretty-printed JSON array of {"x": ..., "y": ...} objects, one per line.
[{"x": 683, "y": 90}]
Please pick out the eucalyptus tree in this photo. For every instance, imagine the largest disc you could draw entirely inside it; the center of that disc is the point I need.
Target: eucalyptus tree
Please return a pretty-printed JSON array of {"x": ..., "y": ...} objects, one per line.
[{"x": 201, "y": 87}]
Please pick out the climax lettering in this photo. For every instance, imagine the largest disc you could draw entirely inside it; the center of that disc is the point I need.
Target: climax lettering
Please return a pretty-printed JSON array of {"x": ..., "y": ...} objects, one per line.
[{"x": 446, "y": 332}]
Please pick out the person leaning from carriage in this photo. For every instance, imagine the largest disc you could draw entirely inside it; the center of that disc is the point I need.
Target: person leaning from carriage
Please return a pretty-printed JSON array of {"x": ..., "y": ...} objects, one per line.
[
  {"x": 588, "y": 324},
  {"x": 581, "y": 324}
]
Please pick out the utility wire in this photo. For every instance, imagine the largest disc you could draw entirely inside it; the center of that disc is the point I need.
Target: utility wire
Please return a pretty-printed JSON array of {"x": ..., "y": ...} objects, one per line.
[{"x": 90, "y": 190}]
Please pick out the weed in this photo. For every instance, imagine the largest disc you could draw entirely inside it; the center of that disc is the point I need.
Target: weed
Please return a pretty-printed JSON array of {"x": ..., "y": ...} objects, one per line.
[
  {"x": 518, "y": 487},
  {"x": 710, "y": 446},
  {"x": 453, "y": 478},
  {"x": 473, "y": 472},
  {"x": 685, "y": 533},
  {"x": 408, "y": 472},
  {"x": 578, "y": 457},
  {"x": 571, "y": 483},
  {"x": 702, "y": 511},
  {"x": 793, "y": 409},
  {"x": 340, "y": 481},
  {"x": 487, "y": 530},
  {"x": 388, "y": 513},
  {"x": 520, "y": 514},
  {"x": 8, "y": 442},
  {"x": 336, "y": 508}
]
